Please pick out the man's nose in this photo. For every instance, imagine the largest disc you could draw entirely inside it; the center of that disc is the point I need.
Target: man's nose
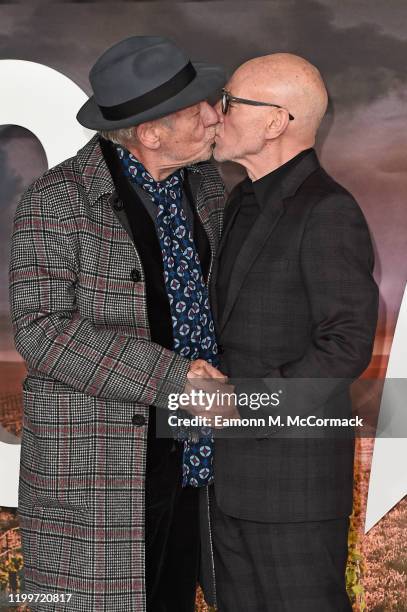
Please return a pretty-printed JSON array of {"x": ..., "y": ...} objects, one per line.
[
  {"x": 209, "y": 114},
  {"x": 218, "y": 110}
]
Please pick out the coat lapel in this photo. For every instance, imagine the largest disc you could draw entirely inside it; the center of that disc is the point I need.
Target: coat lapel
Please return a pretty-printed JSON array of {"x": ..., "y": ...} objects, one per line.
[
  {"x": 94, "y": 172},
  {"x": 203, "y": 246},
  {"x": 199, "y": 202}
]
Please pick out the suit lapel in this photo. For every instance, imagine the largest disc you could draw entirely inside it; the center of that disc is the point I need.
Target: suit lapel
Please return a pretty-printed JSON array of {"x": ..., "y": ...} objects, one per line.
[
  {"x": 228, "y": 224},
  {"x": 251, "y": 248},
  {"x": 235, "y": 206},
  {"x": 270, "y": 215}
]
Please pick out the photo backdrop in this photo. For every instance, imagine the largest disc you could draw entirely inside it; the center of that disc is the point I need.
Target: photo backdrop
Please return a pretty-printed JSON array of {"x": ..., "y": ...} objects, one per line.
[{"x": 361, "y": 49}]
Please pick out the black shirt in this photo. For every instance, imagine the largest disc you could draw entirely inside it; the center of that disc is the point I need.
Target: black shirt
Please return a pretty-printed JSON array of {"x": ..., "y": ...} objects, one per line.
[{"x": 254, "y": 194}]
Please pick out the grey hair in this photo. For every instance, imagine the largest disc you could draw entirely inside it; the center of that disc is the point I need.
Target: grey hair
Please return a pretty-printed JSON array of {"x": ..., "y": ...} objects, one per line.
[
  {"x": 121, "y": 136},
  {"x": 125, "y": 136}
]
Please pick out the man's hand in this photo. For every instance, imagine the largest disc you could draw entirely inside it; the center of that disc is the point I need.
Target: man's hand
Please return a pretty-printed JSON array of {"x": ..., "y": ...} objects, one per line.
[
  {"x": 211, "y": 396},
  {"x": 202, "y": 375},
  {"x": 202, "y": 369},
  {"x": 217, "y": 402}
]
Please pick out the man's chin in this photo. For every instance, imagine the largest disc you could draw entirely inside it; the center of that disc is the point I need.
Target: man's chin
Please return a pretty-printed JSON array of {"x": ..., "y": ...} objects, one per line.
[
  {"x": 218, "y": 155},
  {"x": 205, "y": 156}
]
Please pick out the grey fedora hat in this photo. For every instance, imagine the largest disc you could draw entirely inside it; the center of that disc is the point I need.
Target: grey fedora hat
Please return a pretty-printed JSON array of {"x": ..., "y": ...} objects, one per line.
[{"x": 143, "y": 78}]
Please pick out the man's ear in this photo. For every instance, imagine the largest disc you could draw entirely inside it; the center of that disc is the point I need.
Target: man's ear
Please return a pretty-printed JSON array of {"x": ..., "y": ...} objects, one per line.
[
  {"x": 148, "y": 134},
  {"x": 277, "y": 123}
]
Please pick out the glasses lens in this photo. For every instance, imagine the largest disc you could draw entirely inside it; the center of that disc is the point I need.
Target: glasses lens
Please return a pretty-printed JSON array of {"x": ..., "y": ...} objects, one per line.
[{"x": 225, "y": 103}]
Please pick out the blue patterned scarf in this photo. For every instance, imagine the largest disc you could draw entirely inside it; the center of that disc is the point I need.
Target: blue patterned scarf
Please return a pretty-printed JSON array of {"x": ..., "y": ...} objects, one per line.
[{"x": 193, "y": 329}]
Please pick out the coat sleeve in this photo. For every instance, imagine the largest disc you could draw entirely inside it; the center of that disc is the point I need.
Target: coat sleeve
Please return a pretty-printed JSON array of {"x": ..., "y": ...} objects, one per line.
[{"x": 54, "y": 339}]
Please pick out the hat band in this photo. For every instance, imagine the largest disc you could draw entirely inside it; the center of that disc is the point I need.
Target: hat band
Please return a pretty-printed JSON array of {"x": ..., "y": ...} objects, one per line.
[{"x": 152, "y": 98}]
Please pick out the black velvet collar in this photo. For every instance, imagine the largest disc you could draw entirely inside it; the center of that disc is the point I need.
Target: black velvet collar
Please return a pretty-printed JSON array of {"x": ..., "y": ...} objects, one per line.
[{"x": 148, "y": 247}]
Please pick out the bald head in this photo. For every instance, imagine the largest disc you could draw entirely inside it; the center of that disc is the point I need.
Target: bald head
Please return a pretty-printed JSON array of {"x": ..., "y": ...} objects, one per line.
[
  {"x": 262, "y": 137},
  {"x": 288, "y": 80}
]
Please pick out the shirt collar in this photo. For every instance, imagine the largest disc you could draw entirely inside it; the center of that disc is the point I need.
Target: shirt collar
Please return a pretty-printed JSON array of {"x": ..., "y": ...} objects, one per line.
[{"x": 270, "y": 182}]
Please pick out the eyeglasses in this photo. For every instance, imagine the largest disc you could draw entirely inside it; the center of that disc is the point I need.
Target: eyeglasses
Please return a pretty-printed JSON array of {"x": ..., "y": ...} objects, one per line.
[{"x": 227, "y": 98}]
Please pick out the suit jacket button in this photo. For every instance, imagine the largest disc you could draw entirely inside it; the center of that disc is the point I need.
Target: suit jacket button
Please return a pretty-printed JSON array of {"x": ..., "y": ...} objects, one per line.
[
  {"x": 221, "y": 349},
  {"x": 138, "y": 420},
  {"x": 135, "y": 275}
]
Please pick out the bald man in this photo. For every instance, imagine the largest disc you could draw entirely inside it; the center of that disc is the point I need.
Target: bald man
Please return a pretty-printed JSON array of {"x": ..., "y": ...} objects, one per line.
[{"x": 295, "y": 303}]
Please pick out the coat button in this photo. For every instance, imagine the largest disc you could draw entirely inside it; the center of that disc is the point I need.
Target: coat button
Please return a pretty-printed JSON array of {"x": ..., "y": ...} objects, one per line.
[
  {"x": 221, "y": 349},
  {"x": 138, "y": 420},
  {"x": 114, "y": 201},
  {"x": 118, "y": 205},
  {"x": 135, "y": 275}
]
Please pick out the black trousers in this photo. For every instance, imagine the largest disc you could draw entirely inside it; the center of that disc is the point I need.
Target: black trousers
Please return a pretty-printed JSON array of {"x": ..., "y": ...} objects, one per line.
[
  {"x": 172, "y": 533},
  {"x": 279, "y": 567}
]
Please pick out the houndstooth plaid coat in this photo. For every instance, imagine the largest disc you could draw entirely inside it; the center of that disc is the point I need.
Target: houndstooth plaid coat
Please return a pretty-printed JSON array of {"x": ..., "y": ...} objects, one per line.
[{"x": 80, "y": 323}]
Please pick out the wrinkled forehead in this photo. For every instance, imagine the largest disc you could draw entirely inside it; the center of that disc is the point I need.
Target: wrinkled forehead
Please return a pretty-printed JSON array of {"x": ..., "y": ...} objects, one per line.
[
  {"x": 182, "y": 115},
  {"x": 188, "y": 112}
]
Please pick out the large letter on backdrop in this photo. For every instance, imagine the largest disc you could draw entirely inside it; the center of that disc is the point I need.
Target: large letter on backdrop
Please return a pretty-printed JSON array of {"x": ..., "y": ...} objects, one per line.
[
  {"x": 45, "y": 102},
  {"x": 388, "y": 479}
]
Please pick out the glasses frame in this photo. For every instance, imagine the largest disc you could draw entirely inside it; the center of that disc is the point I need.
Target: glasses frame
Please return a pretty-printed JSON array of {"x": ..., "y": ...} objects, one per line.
[{"x": 227, "y": 98}]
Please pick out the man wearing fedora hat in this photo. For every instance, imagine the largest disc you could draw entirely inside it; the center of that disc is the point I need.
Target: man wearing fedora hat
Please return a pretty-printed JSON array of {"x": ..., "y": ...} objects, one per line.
[{"x": 111, "y": 255}]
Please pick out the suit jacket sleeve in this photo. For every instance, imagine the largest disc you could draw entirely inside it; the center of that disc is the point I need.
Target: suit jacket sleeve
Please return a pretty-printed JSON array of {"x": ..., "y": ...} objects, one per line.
[
  {"x": 337, "y": 263},
  {"x": 54, "y": 339}
]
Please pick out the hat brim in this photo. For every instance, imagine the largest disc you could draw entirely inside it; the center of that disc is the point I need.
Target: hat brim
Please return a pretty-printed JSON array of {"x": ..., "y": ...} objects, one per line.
[{"x": 208, "y": 81}]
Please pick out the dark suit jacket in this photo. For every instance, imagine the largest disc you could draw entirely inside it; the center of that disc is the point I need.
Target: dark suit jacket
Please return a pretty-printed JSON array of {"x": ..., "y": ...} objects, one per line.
[{"x": 301, "y": 304}]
